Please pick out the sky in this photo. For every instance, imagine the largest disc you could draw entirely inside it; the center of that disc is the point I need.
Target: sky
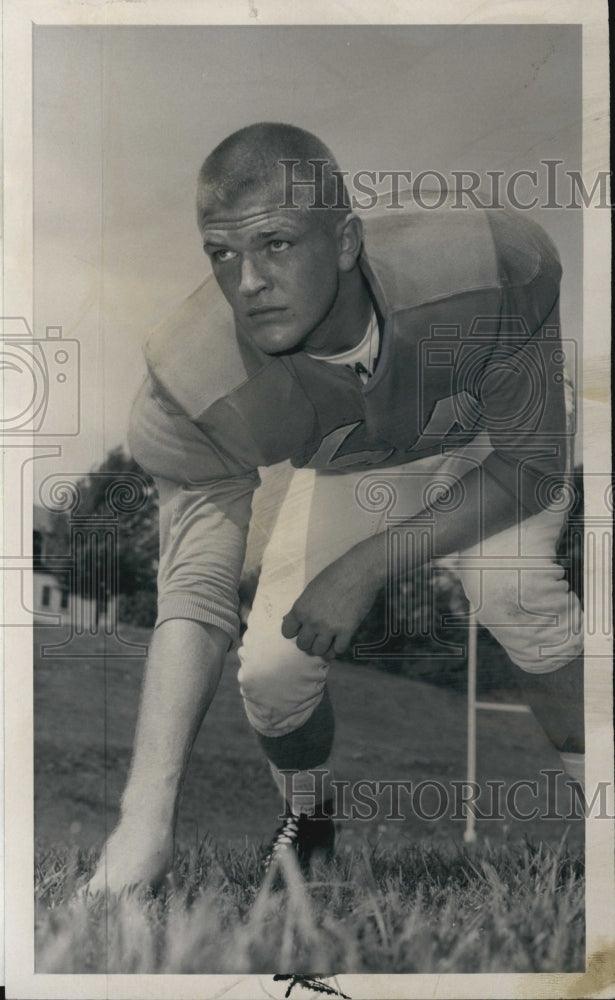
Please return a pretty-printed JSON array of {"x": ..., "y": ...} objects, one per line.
[{"x": 123, "y": 118}]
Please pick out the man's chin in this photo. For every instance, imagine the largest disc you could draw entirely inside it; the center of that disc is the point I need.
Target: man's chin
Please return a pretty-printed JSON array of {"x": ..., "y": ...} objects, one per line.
[{"x": 281, "y": 346}]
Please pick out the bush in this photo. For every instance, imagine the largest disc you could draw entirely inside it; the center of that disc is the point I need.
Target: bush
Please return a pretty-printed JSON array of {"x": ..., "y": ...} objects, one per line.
[{"x": 139, "y": 608}]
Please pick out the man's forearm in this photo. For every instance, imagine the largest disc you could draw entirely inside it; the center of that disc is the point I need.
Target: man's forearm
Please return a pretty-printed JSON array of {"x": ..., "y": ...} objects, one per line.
[
  {"x": 328, "y": 612},
  {"x": 182, "y": 673},
  {"x": 480, "y": 508}
]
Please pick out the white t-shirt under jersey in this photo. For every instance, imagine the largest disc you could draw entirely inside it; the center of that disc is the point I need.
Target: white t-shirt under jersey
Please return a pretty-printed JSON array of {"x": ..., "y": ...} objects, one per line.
[{"x": 362, "y": 358}]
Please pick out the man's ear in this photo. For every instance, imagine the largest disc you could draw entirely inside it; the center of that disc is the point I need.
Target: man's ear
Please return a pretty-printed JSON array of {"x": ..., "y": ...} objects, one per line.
[{"x": 350, "y": 237}]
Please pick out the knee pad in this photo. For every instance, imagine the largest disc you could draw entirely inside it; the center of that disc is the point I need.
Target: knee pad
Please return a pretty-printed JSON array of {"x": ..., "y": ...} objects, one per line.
[{"x": 280, "y": 692}]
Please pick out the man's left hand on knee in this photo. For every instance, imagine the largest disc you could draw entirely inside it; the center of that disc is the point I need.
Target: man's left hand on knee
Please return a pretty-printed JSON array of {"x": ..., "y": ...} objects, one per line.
[{"x": 332, "y": 606}]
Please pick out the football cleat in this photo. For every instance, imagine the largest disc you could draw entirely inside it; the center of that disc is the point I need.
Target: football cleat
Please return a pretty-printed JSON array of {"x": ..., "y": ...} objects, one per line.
[{"x": 309, "y": 838}]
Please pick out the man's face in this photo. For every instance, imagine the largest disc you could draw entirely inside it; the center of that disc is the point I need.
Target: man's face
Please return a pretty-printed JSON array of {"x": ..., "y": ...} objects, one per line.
[{"x": 277, "y": 268}]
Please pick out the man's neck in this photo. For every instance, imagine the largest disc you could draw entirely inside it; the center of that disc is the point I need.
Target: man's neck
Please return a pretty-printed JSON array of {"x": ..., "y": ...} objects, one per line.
[{"x": 344, "y": 326}]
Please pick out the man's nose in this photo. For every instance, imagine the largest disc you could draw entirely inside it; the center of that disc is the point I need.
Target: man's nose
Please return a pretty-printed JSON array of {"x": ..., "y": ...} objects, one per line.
[{"x": 252, "y": 279}]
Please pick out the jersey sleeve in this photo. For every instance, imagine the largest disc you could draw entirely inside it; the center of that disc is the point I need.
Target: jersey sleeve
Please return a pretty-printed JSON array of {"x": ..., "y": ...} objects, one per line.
[{"x": 205, "y": 507}]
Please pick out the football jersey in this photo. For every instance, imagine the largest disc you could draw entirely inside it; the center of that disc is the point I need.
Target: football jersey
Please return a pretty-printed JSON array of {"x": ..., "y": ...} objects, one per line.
[{"x": 467, "y": 307}]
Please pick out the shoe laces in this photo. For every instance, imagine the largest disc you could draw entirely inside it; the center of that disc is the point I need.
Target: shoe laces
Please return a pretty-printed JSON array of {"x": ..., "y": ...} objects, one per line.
[{"x": 287, "y": 835}]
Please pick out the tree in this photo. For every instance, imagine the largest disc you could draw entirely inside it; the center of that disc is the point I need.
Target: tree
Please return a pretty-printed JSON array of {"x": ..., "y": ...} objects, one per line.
[{"x": 110, "y": 534}]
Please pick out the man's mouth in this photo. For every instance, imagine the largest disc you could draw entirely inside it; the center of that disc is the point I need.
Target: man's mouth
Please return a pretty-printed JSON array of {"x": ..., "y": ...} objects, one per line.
[{"x": 265, "y": 311}]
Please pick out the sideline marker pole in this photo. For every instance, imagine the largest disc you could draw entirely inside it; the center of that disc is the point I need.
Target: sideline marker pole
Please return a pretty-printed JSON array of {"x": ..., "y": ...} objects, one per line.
[{"x": 469, "y": 835}]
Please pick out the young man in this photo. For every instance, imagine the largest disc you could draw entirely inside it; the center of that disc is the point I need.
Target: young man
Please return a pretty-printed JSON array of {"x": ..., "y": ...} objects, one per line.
[{"x": 426, "y": 349}]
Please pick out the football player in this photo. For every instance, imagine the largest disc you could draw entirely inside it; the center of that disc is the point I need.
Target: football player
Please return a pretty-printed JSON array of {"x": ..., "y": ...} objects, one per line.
[{"x": 412, "y": 364}]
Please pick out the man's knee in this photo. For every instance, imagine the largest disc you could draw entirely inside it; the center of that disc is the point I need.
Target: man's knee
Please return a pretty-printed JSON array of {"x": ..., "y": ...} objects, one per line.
[
  {"x": 549, "y": 642},
  {"x": 538, "y": 657},
  {"x": 535, "y": 618},
  {"x": 261, "y": 685},
  {"x": 280, "y": 690}
]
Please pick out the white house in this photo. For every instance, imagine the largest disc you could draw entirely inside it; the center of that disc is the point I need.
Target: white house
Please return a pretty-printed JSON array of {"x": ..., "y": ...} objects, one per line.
[{"x": 53, "y": 604}]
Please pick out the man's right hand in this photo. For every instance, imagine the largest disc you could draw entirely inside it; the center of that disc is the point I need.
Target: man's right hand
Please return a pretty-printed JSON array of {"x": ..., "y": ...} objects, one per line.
[{"x": 133, "y": 858}]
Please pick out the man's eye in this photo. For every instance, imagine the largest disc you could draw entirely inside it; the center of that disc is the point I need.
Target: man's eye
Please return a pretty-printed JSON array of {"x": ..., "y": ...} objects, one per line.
[
  {"x": 278, "y": 245},
  {"x": 221, "y": 256}
]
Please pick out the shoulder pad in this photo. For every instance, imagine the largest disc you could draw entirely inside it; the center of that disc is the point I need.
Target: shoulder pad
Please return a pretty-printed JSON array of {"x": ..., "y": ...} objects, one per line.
[
  {"x": 524, "y": 249},
  {"x": 193, "y": 356},
  {"x": 419, "y": 256}
]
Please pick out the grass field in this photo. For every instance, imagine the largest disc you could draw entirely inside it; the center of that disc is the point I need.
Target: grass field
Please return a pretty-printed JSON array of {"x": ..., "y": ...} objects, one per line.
[
  {"x": 402, "y": 896},
  {"x": 407, "y": 910}
]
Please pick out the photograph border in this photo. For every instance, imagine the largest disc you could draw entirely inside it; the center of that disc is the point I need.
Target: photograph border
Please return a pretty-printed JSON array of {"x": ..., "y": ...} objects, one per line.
[{"x": 19, "y": 18}]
